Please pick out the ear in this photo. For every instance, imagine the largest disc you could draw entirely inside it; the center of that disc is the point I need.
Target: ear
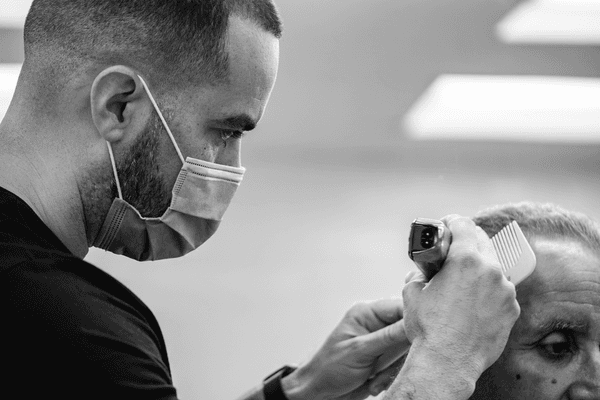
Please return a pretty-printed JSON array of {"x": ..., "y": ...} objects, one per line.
[{"x": 119, "y": 106}]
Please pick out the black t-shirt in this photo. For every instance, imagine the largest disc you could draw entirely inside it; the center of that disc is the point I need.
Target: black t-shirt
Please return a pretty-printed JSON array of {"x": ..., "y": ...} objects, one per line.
[{"x": 69, "y": 330}]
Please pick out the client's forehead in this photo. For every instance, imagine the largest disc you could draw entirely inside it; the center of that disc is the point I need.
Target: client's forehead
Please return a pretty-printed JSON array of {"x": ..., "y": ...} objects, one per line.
[{"x": 563, "y": 291}]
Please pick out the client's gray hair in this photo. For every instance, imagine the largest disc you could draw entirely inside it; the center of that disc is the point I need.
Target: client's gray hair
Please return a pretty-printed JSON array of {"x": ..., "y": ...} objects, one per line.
[{"x": 541, "y": 220}]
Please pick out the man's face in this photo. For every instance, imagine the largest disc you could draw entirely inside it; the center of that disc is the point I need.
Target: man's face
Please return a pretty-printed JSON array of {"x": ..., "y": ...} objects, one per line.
[
  {"x": 202, "y": 118},
  {"x": 554, "y": 348}
]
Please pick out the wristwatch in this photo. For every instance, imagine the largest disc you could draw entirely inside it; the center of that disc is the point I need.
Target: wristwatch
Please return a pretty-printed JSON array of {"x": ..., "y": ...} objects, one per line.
[{"x": 272, "y": 389}]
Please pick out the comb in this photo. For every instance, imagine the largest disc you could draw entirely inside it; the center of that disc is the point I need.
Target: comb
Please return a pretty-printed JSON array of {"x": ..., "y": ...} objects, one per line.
[{"x": 514, "y": 253}]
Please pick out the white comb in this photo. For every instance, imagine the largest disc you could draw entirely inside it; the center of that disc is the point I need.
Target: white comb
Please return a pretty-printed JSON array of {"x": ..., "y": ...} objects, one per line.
[{"x": 514, "y": 253}]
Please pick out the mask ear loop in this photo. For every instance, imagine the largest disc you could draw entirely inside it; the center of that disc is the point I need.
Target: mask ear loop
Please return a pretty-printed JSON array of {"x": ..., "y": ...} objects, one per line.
[
  {"x": 162, "y": 119},
  {"x": 114, "y": 167}
]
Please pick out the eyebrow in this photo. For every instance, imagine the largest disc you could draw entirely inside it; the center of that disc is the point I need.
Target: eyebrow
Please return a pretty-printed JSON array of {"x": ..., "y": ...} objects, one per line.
[
  {"x": 242, "y": 122},
  {"x": 559, "y": 324}
]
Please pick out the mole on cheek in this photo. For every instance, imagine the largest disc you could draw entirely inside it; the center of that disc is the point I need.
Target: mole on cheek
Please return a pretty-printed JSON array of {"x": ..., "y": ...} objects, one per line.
[
  {"x": 518, "y": 376},
  {"x": 554, "y": 381}
]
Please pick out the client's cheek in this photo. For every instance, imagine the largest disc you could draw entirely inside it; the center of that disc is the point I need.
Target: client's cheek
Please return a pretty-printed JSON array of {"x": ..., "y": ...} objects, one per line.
[{"x": 532, "y": 379}]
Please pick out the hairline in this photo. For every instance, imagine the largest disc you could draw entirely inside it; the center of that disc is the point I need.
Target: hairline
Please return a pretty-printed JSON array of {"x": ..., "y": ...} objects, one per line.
[{"x": 198, "y": 70}]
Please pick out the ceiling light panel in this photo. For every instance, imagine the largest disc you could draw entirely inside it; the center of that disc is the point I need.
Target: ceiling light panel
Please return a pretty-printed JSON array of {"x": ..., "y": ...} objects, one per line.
[
  {"x": 552, "y": 22},
  {"x": 13, "y": 13},
  {"x": 9, "y": 74},
  {"x": 507, "y": 108}
]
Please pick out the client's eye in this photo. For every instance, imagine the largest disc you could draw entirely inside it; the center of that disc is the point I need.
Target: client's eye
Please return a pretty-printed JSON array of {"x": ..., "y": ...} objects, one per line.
[{"x": 556, "y": 346}]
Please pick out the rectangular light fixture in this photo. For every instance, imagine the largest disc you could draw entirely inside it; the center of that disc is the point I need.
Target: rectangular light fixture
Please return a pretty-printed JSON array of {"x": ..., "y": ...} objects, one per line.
[
  {"x": 9, "y": 74},
  {"x": 552, "y": 22},
  {"x": 507, "y": 108},
  {"x": 13, "y": 13}
]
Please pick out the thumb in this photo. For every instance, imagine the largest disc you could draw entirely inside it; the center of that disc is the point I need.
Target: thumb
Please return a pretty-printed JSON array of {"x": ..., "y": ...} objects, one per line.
[{"x": 389, "y": 344}]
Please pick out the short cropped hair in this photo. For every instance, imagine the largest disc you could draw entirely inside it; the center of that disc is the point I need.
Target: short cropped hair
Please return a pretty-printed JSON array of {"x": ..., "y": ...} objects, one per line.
[
  {"x": 543, "y": 221},
  {"x": 182, "y": 41}
]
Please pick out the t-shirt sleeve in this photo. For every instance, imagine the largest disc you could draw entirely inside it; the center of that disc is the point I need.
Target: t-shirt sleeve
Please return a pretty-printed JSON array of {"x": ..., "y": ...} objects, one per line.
[{"x": 66, "y": 337}]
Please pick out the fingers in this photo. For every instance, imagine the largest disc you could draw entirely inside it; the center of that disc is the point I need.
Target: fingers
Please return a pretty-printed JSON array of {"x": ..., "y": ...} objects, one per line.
[
  {"x": 384, "y": 379},
  {"x": 412, "y": 275},
  {"x": 375, "y": 315},
  {"x": 462, "y": 228},
  {"x": 391, "y": 341},
  {"x": 485, "y": 245}
]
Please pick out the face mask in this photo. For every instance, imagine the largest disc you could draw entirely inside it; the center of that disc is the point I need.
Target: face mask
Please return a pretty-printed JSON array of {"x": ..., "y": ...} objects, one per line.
[{"x": 201, "y": 194}]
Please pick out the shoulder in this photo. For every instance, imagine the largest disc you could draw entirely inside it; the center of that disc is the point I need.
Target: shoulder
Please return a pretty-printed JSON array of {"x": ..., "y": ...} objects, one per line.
[
  {"x": 58, "y": 289},
  {"x": 71, "y": 321}
]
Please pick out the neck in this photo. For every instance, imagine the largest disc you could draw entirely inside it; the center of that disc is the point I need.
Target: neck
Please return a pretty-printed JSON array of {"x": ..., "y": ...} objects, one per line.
[{"x": 47, "y": 186}]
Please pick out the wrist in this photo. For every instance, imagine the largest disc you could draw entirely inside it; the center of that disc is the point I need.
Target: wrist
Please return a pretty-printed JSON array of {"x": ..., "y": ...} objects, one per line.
[
  {"x": 273, "y": 384},
  {"x": 451, "y": 356},
  {"x": 431, "y": 374},
  {"x": 297, "y": 385}
]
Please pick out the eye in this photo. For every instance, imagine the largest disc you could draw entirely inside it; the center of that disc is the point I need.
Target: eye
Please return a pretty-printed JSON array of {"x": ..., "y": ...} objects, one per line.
[
  {"x": 228, "y": 134},
  {"x": 557, "y": 346}
]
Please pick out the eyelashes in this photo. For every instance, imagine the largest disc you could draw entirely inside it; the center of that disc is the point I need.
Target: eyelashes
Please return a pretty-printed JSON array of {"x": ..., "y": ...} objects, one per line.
[{"x": 226, "y": 135}]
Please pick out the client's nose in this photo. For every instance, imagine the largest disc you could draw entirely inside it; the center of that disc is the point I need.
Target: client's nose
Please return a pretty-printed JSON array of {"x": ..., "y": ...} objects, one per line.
[{"x": 587, "y": 386}]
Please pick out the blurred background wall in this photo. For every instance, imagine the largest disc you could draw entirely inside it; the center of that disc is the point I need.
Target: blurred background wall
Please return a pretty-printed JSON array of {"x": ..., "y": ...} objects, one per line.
[{"x": 335, "y": 175}]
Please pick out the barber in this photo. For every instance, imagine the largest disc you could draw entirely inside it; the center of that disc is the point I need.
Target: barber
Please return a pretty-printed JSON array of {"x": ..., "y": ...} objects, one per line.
[{"x": 124, "y": 133}]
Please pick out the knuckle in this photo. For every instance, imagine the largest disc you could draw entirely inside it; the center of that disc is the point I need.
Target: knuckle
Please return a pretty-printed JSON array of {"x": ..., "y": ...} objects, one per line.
[
  {"x": 496, "y": 274},
  {"x": 494, "y": 262},
  {"x": 406, "y": 292},
  {"x": 467, "y": 257},
  {"x": 508, "y": 288},
  {"x": 513, "y": 309},
  {"x": 450, "y": 217},
  {"x": 482, "y": 234},
  {"x": 357, "y": 309},
  {"x": 516, "y": 310},
  {"x": 460, "y": 222}
]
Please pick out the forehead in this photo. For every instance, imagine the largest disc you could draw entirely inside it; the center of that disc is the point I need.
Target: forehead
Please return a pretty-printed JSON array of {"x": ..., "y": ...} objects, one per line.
[
  {"x": 253, "y": 55},
  {"x": 564, "y": 286},
  {"x": 253, "y": 61}
]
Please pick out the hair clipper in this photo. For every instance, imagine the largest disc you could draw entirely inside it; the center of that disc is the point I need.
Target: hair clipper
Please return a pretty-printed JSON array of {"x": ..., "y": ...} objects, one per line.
[{"x": 428, "y": 245}]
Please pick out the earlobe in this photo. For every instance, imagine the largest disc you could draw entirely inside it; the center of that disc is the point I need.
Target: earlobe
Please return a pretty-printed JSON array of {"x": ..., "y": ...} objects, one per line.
[{"x": 118, "y": 105}]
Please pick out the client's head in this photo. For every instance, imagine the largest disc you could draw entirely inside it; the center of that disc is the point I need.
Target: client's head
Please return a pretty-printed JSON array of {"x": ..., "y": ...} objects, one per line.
[{"x": 554, "y": 348}]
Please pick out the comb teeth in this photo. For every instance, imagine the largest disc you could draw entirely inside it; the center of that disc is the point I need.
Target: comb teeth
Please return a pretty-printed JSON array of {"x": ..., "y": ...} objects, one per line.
[{"x": 507, "y": 246}]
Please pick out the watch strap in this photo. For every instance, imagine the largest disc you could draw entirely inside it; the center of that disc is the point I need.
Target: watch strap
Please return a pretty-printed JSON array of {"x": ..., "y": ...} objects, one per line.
[{"x": 272, "y": 389}]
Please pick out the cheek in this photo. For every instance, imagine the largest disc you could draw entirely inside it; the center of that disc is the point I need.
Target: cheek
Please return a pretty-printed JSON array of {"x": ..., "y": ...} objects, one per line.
[
  {"x": 532, "y": 378},
  {"x": 204, "y": 147}
]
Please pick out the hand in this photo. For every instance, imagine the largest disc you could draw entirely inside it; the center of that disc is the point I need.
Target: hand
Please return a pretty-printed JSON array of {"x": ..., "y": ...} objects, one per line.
[
  {"x": 465, "y": 313},
  {"x": 344, "y": 367}
]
